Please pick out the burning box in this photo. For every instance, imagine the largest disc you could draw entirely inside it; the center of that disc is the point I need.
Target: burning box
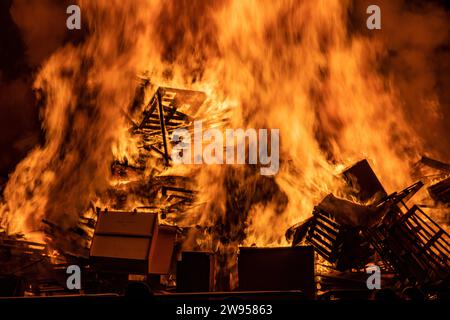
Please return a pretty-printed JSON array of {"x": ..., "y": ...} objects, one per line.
[
  {"x": 363, "y": 182},
  {"x": 195, "y": 272},
  {"x": 132, "y": 242},
  {"x": 272, "y": 269}
]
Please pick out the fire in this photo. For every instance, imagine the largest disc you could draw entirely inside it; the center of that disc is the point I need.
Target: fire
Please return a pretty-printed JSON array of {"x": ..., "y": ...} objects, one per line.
[
  {"x": 287, "y": 65},
  {"x": 295, "y": 67}
]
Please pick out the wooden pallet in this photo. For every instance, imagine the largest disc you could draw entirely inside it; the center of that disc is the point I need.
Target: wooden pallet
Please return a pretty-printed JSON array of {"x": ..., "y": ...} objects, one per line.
[{"x": 415, "y": 246}]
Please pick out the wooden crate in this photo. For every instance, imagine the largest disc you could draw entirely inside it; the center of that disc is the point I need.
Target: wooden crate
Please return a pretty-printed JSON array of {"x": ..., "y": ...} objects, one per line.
[{"x": 415, "y": 246}]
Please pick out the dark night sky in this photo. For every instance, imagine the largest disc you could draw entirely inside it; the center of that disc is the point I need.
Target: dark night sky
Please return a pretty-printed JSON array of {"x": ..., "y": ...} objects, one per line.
[{"x": 24, "y": 46}]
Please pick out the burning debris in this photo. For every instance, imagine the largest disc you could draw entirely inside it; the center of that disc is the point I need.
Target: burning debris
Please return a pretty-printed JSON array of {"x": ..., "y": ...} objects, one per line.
[
  {"x": 161, "y": 117},
  {"x": 145, "y": 241},
  {"x": 103, "y": 192},
  {"x": 114, "y": 246},
  {"x": 28, "y": 267},
  {"x": 406, "y": 240},
  {"x": 18, "y": 255},
  {"x": 90, "y": 243},
  {"x": 414, "y": 246}
]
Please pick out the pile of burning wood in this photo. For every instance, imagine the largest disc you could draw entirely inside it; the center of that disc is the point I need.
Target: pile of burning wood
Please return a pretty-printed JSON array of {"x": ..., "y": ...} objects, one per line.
[
  {"x": 39, "y": 269},
  {"x": 116, "y": 245},
  {"x": 402, "y": 239}
]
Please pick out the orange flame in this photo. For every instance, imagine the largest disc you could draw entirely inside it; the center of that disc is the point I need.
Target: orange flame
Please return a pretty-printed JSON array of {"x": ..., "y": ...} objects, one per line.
[{"x": 286, "y": 64}]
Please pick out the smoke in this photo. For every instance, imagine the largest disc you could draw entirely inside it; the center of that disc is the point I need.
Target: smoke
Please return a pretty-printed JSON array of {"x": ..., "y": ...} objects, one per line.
[
  {"x": 420, "y": 57},
  {"x": 416, "y": 35},
  {"x": 31, "y": 31},
  {"x": 42, "y": 23}
]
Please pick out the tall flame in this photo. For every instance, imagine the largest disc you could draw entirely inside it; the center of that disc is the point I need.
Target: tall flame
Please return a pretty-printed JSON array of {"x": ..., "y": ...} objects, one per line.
[{"x": 288, "y": 64}]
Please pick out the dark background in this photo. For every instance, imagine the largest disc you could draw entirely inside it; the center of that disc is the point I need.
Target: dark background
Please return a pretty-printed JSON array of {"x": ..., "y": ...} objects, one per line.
[
  {"x": 416, "y": 33},
  {"x": 30, "y": 31}
]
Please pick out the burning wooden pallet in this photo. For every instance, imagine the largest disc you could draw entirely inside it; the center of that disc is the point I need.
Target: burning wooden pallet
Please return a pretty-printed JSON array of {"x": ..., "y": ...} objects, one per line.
[
  {"x": 343, "y": 246},
  {"x": 410, "y": 244},
  {"x": 18, "y": 254},
  {"x": 408, "y": 241},
  {"x": 342, "y": 243},
  {"x": 415, "y": 246},
  {"x": 162, "y": 116},
  {"x": 165, "y": 112},
  {"x": 21, "y": 262}
]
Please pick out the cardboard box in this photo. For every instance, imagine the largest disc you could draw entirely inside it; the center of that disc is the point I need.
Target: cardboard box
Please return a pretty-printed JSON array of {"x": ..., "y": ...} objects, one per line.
[{"x": 132, "y": 242}]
